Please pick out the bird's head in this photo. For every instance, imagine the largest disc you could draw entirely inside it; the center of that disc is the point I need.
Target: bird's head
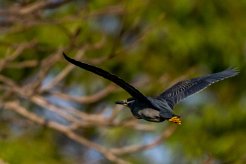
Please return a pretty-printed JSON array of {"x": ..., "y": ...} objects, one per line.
[{"x": 128, "y": 102}]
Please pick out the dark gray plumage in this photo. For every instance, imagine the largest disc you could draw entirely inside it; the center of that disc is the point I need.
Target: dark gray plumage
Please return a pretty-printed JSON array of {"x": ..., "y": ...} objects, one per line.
[
  {"x": 186, "y": 88},
  {"x": 158, "y": 109}
]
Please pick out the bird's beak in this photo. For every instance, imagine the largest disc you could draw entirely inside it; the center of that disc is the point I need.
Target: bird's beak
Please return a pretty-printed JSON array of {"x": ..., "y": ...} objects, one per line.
[{"x": 124, "y": 102}]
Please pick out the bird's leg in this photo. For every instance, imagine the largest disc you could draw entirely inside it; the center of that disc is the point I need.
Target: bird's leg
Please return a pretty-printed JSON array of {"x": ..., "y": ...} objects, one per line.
[{"x": 175, "y": 119}]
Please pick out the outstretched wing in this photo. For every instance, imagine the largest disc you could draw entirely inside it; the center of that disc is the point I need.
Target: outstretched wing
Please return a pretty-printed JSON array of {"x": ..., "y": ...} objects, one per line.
[
  {"x": 186, "y": 88},
  {"x": 130, "y": 89}
]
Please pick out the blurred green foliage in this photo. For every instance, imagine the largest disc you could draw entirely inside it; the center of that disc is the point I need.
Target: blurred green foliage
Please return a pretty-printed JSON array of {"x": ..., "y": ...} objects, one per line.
[
  {"x": 161, "y": 40},
  {"x": 31, "y": 147}
]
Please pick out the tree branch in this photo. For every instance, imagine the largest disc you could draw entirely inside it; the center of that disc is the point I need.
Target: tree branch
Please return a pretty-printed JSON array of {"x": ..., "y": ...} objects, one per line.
[{"x": 13, "y": 105}]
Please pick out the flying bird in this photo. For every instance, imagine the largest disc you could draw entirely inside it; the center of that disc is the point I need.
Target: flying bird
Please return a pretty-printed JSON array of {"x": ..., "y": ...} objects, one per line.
[{"x": 159, "y": 108}]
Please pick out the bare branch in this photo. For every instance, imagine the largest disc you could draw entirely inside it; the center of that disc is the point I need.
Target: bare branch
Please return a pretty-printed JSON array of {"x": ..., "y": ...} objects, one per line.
[
  {"x": 63, "y": 129},
  {"x": 46, "y": 65},
  {"x": 18, "y": 51},
  {"x": 33, "y": 7},
  {"x": 63, "y": 73},
  {"x": 87, "y": 99},
  {"x": 24, "y": 64},
  {"x": 136, "y": 148}
]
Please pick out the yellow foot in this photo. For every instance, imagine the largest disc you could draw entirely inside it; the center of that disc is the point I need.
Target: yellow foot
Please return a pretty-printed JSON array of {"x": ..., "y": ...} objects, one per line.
[{"x": 175, "y": 120}]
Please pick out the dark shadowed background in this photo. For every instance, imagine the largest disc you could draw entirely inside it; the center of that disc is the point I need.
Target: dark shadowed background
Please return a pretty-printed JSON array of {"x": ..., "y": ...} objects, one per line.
[{"x": 52, "y": 112}]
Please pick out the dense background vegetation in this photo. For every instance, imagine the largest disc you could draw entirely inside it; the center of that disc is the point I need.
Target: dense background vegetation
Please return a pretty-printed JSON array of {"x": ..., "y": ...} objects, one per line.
[{"x": 151, "y": 44}]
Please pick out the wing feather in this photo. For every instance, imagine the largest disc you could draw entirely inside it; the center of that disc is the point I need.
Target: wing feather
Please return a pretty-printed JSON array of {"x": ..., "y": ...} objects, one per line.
[
  {"x": 127, "y": 87},
  {"x": 185, "y": 88}
]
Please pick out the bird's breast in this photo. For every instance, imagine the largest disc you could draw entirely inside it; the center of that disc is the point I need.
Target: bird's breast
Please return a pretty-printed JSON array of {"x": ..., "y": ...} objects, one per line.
[{"x": 150, "y": 114}]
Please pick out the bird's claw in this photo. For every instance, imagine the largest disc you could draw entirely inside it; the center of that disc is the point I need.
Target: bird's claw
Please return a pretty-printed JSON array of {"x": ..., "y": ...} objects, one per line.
[{"x": 175, "y": 120}]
